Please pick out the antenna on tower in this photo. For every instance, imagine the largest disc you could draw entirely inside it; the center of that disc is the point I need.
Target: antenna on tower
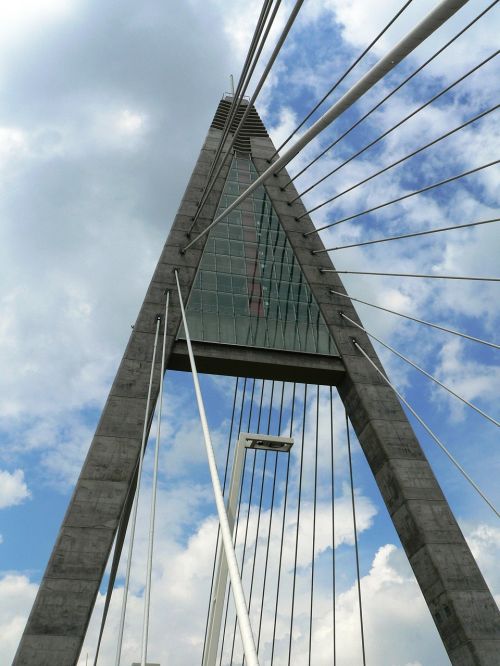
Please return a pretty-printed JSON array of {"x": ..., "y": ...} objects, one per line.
[{"x": 231, "y": 80}]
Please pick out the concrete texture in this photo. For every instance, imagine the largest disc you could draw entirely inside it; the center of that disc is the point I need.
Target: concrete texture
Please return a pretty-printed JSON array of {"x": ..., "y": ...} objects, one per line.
[
  {"x": 60, "y": 615},
  {"x": 463, "y": 609},
  {"x": 458, "y": 598},
  {"x": 239, "y": 361}
]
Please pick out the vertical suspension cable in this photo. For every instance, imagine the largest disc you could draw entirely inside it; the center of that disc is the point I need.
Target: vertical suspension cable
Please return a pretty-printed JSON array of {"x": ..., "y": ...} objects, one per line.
[
  {"x": 236, "y": 529},
  {"x": 355, "y": 539},
  {"x": 333, "y": 534},
  {"x": 270, "y": 518},
  {"x": 147, "y": 593},
  {"x": 283, "y": 528},
  {"x": 298, "y": 524},
  {"x": 261, "y": 496},
  {"x": 314, "y": 523},
  {"x": 249, "y": 508},
  {"x": 227, "y": 537},
  {"x": 264, "y": 466},
  {"x": 240, "y": 499},
  {"x": 218, "y": 528},
  {"x": 136, "y": 500}
]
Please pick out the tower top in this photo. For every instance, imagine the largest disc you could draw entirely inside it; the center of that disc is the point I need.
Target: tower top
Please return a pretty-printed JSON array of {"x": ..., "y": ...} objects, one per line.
[{"x": 253, "y": 125}]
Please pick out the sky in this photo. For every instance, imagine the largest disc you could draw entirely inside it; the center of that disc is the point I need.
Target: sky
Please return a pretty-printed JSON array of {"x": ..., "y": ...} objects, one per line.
[{"x": 104, "y": 109}]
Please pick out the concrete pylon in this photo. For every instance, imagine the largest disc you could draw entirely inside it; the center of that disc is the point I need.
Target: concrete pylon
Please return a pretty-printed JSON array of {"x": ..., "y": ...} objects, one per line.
[{"x": 458, "y": 598}]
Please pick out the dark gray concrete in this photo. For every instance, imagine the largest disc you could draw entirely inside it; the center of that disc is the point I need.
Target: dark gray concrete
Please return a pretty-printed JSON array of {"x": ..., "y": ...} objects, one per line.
[
  {"x": 238, "y": 361},
  {"x": 458, "y": 598},
  {"x": 60, "y": 615}
]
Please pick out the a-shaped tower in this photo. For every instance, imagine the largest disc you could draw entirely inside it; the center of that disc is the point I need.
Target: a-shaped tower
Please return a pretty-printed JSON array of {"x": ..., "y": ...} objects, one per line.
[{"x": 258, "y": 306}]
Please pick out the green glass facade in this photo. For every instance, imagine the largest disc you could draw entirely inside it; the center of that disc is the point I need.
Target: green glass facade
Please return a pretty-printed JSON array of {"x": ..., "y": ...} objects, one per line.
[{"x": 249, "y": 289}]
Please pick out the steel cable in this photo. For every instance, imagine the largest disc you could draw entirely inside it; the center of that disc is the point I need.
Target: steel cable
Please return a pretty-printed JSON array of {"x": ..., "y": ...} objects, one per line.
[
  {"x": 413, "y": 234},
  {"x": 424, "y": 372},
  {"x": 298, "y": 525},
  {"x": 393, "y": 164},
  {"x": 223, "y": 490},
  {"x": 356, "y": 547},
  {"x": 400, "y": 123},
  {"x": 334, "y": 577},
  {"x": 427, "y": 188},
  {"x": 262, "y": 41},
  {"x": 429, "y": 431},
  {"x": 419, "y": 321},
  {"x": 411, "y": 275},
  {"x": 258, "y": 87},
  {"x": 264, "y": 466},
  {"x": 154, "y": 487},
  {"x": 436, "y": 17},
  {"x": 214, "y": 171},
  {"x": 236, "y": 529},
  {"x": 263, "y": 382},
  {"x": 237, "y": 97},
  {"x": 136, "y": 492},
  {"x": 394, "y": 91},
  {"x": 344, "y": 75},
  {"x": 245, "y": 627},
  {"x": 314, "y": 524},
  {"x": 285, "y": 500},
  {"x": 270, "y": 518}
]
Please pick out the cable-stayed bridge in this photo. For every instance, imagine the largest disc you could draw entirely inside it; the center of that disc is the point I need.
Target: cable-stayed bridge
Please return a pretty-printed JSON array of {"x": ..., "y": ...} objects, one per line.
[{"x": 245, "y": 287}]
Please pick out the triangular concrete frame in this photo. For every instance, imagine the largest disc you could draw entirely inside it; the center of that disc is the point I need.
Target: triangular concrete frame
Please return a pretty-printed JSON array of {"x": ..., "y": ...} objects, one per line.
[{"x": 458, "y": 598}]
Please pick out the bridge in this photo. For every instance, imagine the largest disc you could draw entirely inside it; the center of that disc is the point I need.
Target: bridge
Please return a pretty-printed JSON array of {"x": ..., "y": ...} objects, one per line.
[{"x": 248, "y": 295}]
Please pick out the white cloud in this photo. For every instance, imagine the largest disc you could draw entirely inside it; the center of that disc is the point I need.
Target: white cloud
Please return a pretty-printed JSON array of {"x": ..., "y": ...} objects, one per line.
[
  {"x": 20, "y": 17},
  {"x": 13, "y": 488},
  {"x": 471, "y": 379},
  {"x": 82, "y": 222},
  {"x": 13, "y": 144},
  {"x": 17, "y": 594},
  {"x": 182, "y": 571},
  {"x": 484, "y": 542},
  {"x": 130, "y": 122}
]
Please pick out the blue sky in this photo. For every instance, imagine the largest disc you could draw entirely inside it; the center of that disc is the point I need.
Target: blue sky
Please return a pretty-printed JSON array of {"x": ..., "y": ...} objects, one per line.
[{"x": 104, "y": 109}]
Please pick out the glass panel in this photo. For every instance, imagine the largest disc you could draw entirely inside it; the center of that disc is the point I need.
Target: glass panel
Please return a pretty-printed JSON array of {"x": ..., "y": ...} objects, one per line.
[{"x": 249, "y": 289}]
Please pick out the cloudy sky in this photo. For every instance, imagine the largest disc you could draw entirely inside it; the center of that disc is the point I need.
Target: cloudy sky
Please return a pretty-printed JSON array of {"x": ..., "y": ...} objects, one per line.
[{"x": 104, "y": 108}]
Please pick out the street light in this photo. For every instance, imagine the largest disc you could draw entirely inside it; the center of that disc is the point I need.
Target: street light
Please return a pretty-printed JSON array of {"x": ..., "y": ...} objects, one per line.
[{"x": 246, "y": 440}]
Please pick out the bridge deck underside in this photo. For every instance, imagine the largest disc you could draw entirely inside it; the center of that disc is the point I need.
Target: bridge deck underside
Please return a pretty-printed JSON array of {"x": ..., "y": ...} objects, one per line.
[{"x": 235, "y": 361}]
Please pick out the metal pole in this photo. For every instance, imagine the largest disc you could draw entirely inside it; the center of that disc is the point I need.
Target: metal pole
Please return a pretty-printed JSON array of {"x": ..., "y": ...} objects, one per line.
[
  {"x": 136, "y": 501},
  {"x": 439, "y": 15},
  {"x": 234, "y": 574},
  {"x": 147, "y": 593}
]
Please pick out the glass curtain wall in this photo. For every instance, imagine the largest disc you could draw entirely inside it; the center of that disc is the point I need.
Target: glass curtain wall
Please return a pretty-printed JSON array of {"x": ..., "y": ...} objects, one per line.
[{"x": 249, "y": 289}]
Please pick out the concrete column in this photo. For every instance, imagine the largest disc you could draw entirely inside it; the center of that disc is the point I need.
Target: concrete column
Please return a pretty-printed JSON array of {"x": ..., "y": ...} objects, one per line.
[
  {"x": 463, "y": 609},
  {"x": 58, "y": 621},
  {"x": 458, "y": 598}
]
